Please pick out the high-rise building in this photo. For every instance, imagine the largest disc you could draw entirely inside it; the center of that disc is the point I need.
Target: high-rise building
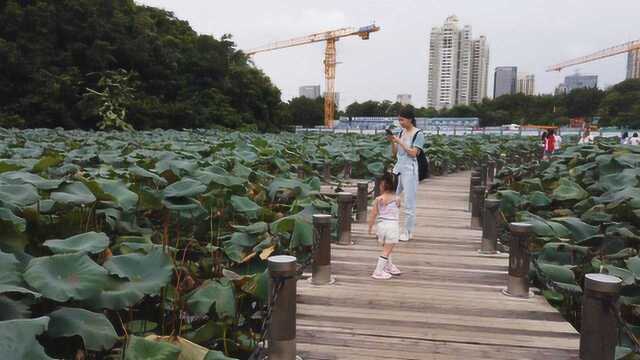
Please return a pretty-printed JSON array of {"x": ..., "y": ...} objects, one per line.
[
  {"x": 310, "y": 91},
  {"x": 578, "y": 81},
  {"x": 479, "y": 70},
  {"x": 633, "y": 64},
  {"x": 458, "y": 66},
  {"x": 505, "y": 81},
  {"x": 404, "y": 99},
  {"x": 526, "y": 84}
]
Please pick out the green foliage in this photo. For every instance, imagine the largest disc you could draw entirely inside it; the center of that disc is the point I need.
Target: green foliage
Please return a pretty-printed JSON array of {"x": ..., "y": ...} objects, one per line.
[
  {"x": 146, "y": 68},
  {"x": 618, "y": 106}
]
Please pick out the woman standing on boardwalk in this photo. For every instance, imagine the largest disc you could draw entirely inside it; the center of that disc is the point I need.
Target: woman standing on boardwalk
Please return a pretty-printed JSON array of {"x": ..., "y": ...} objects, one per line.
[{"x": 406, "y": 147}]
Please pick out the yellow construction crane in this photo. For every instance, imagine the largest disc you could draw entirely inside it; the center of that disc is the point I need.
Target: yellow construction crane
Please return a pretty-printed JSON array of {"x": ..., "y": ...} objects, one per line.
[
  {"x": 329, "y": 57},
  {"x": 629, "y": 47}
]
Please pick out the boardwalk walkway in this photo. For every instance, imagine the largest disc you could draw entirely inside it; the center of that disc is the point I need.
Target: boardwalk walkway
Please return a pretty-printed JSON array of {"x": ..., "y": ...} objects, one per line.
[{"x": 446, "y": 305}]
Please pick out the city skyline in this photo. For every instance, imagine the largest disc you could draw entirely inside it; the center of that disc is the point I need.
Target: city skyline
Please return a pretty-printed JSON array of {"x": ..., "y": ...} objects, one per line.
[
  {"x": 528, "y": 35},
  {"x": 457, "y": 65}
]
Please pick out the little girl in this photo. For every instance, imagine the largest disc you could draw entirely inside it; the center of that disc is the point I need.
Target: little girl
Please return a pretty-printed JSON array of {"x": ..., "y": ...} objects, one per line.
[{"x": 386, "y": 214}]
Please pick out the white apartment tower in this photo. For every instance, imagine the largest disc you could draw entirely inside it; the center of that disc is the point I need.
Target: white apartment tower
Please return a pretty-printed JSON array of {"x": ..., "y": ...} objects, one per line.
[
  {"x": 458, "y": 66},
  {"x": 633, "y": 64},
  {"x": 526, "y": 84}
]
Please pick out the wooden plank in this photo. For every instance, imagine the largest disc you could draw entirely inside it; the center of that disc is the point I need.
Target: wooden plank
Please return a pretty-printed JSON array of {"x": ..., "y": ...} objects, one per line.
[{"x": 446, "y": 305}]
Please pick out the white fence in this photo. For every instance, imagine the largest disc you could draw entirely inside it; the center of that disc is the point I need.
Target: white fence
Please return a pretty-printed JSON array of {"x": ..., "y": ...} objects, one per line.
[{"x": 463, "y": 131}]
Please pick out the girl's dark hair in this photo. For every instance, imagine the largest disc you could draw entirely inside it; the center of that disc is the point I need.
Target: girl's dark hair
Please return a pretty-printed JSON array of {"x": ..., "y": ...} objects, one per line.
[
  {"x": 388, "y": 181},
  {"x": 408, "y": 112},
  {"x": 551, "y": 132}
]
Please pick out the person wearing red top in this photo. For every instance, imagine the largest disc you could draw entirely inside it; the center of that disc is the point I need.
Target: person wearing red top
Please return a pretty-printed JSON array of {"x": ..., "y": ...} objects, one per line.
[{"x": 550, "y": 144}]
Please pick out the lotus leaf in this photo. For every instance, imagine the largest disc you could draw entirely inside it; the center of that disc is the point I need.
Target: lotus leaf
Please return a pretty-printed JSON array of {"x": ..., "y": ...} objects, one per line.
[
  {"x": 10, "y": 269},
  {"x": 18, "y": 196},
  {"x": 96, "y": 331},
  {"x": 8, "y": 288},
  {"x": 579, "y": 229},
  {"x": 90, "y": 242},
  {"x": 18, "y": 339},
  {"x": 11, "y": 309},
  {"x": 149, "y": 273},
  {"x": 563, "y": 254},
  {"x": 7, "y": 216},
  {"x": 558, "y": 273},
  {"x": 569, "y": 191},
  {"x": 184, "y": 188},
  {"x": 75, "y": 193},
  {"x": 66, "y": 276},
  {"x": 220, "y": 293},
  {"x": 542, "y": 227},
  {"x": 538, "y": 199},
  {"x": 510, "y": 201},
  {"x": 117, "y": 294},
  {"x": 23, "y": 177},
  {"x": 244, "y": 205},
  {"x": 142, "y": 349},
  {"x": 125, "y": 198},
  {"x": 596, "y": 215}
]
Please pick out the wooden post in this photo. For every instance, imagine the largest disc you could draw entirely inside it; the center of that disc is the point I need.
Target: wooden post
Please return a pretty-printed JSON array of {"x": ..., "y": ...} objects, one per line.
[
  {"x": 282, "y": 327},
  {"x": 345, "y": 206},
  {"x": 376, "y": 189},
  {"x": 477, "y": 194},
  {"x": 490, "y": 227},
  {"x": 437, "y": 130},
  {"x": 445, "y": 168},
  {"x": 454, "y": 131},
  {"x": 518, "y": 280},
  {"x": 475, "y": 181},
  {"x": 362, "y": 202},
  {"x": 347, "y": 170},
  {"x": 599, "y": 332},
  {"x": 483, "y": 174},
  {"x": 491, "y": 172},
  {"x": 327, "y": 171},
  {"x": 321, "y": 267}
]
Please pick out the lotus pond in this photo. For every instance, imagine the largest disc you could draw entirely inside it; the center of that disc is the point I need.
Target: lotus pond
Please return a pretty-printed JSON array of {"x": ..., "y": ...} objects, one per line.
[
  {"x": 584, "y": 206},
  {"x": 154, "y": 244}
]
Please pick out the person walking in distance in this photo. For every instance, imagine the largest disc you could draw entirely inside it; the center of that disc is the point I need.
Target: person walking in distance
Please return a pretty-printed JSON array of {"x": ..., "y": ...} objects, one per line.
[
  {"x": 386, "y": 216},
  {"x": 406, "y": 148},
  {"x": 550, "y": 144}
]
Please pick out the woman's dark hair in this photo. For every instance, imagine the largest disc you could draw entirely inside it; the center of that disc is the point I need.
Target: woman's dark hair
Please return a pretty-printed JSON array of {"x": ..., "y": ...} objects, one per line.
[
  {"x": 408, "y": 112},
  {"x": 551, "y": 132},
  {"x": 388, "y": 182},
  {"x": 635, "y": 134},
  {"x": 544, "y": 135}
]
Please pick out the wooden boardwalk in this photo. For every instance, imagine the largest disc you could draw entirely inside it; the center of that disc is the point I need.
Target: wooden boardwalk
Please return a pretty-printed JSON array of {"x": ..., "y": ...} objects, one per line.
[{"x": 447, "y": 304}]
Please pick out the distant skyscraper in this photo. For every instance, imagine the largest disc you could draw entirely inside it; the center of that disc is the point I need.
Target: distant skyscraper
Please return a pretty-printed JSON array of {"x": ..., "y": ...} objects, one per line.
[
  {"x": 505, "y": 81},
  {"x": 404, "y": 99},
  {"x": 526, "y": 84},
  {"x": 578, "y": 81},
  {"x": 311, "y": 91},
  {"x": 561, "y": 89},
  {"x": 458, "y": 66},
  {"x": 633, "y": 64}
]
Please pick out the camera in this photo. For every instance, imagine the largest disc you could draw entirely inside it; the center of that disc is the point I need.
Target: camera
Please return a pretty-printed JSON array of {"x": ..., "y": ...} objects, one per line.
[{"x": 389, "y": 132}]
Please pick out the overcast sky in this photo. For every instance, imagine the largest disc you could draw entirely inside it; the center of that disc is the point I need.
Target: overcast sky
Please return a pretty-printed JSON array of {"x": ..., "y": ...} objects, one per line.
[{"x": 529, "y": 34}]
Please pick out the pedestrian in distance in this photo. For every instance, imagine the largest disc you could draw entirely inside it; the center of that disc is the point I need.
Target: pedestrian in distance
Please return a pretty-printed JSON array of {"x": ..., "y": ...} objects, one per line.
[
  {"x": 558, "y": 139},
  {"x": 624, "y": 139},
  {"x": 550, "y": 144},
  {"x": 407, "y": 147},
  {"x": 634, "y": 140},
  {"x": 586, "y": 138},
  {"x": 386, "y": 216},
  {"x": 543, "y": 143}
]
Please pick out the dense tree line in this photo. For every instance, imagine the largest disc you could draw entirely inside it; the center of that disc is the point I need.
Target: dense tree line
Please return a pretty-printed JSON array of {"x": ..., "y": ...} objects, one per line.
[
  {"x": 616, "y": 106},
  {"x": 66, "y": 63}
]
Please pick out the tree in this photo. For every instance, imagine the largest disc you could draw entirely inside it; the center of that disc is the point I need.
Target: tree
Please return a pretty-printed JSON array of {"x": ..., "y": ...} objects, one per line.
[
  {"x": 51, "y": 49},
  {"x": 306, "y": 112}
]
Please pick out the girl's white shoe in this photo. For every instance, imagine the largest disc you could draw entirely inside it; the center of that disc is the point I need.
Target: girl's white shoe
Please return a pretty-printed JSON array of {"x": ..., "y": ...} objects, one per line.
[
  {"x": 391, "y": 268},
  {"x": 380, "y": 272},
  {"x": 405, "y": 236}
]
